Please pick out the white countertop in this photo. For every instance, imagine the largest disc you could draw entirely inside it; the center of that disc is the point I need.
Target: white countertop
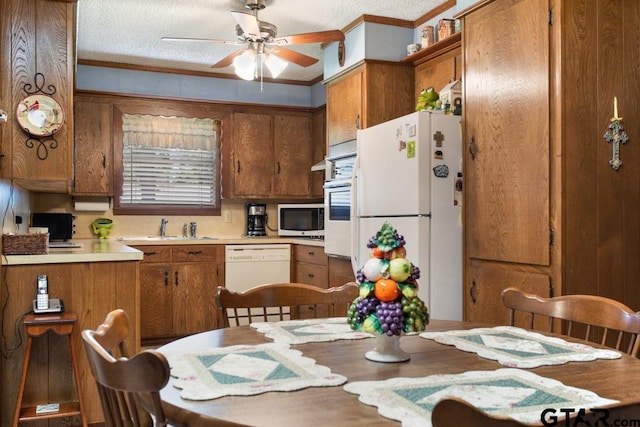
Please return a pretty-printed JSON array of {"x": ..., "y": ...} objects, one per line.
[
  {"x": 92, "y": 250},
  {"x": 119, "y": 249}
]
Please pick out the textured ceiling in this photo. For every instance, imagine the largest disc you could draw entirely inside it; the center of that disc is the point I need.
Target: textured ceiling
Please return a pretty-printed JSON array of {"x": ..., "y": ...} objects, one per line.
[{"x": 129, "y": 31}]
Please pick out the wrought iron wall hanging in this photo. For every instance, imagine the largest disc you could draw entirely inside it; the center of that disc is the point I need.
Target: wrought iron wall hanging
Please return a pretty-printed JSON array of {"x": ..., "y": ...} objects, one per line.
[
  {"x": 616, "y": 135},
  {"x": 40, "y": 116}
]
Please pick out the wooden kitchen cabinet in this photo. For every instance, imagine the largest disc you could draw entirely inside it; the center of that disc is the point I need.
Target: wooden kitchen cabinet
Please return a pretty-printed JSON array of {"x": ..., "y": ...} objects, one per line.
[
  {"x": 37, "y": 58},
  {"x": 93, "y": 148},
  {"x": 543, "y": 208},
  {"x": 310, "y": 265},
  {"x": 177, "y": 290},
  {"x": 91, "y": 290},
  {"x": 271, "y": 156},
  {"x": 340, "y": 271},
  {"x": 371, "y": 93}
]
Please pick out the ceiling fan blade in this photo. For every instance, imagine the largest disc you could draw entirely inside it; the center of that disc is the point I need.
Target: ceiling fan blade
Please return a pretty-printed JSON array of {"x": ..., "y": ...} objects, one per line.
[
  {"x": 317, "y": 37},
  {"x": 248, "y": 22},
  {"x": 191, "y": 39},
  {"x": 227, "y": 60},
  {"x": 292, "y": 56}
]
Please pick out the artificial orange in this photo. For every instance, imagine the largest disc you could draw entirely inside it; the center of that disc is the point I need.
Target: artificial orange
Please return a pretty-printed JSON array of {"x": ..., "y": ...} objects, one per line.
[
  {"x": 386, "y": 290},
  {"x": 377, "y": 253}
]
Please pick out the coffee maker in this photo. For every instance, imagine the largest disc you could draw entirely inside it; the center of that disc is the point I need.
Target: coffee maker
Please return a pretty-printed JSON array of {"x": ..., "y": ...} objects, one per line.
[{"x": 256, "y": 219}]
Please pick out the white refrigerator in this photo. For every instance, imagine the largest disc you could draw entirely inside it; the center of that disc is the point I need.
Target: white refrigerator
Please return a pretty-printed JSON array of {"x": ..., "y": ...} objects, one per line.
[{"x": 408, "y": 171}]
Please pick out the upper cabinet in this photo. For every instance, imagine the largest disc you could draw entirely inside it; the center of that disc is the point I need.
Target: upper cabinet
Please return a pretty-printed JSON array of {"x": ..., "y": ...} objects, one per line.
[
  {"x": 93, "y": 147},
  {"x": 271, "y": 156},
  {"x": 371, "y": 93},
  {"x": 37, "y": 61}
]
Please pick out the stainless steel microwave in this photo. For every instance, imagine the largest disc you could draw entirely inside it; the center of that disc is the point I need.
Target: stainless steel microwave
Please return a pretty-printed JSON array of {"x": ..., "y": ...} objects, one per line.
[{"x": 301, "y": 220}]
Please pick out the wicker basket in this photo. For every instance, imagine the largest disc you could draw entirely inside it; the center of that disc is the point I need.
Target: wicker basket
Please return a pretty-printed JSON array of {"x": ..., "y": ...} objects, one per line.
[{"x": 25, "y": 244}]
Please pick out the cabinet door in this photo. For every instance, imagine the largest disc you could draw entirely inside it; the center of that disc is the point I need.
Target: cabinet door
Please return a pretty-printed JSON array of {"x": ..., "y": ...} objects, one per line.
[
  {"x": 293, "y": 155},
  {"x": 340, "y": 272},
  {"x": 193, "y": 285},
  {"x": 38, "y": 52},
  {"x": 155, "y": 300},
  {"x": 506, "y": 109},
  {"x": 252, "y": 156},
  {"x": 344, "y": 108},
  {"x": 485, "y": 286},
  {"x": 93, "y": 149},
  {"x": 318, "y": 143}
]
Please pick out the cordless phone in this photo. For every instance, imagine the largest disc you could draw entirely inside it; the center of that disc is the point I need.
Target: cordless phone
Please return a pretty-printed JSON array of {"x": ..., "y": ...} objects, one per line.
[
  {"x": 42, "y": 295},
  {"x": 42, "y": 303}
]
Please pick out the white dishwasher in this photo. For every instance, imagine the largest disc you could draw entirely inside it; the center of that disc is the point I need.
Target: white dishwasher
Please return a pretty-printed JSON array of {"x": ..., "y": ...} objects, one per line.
[{"x": 249, "y": 265}]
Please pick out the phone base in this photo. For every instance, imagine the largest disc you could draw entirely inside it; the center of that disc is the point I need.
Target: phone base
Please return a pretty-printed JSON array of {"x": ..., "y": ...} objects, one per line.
[{"x": 55, "y": 306}]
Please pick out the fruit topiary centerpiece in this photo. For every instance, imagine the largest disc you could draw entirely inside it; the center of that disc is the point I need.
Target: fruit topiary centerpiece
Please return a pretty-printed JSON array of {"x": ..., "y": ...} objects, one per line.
[{"x": 388, "y": 304}]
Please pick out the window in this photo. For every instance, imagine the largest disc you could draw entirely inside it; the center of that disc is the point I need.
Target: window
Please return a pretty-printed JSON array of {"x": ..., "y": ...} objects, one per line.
[{"x": 167, "y": 165}]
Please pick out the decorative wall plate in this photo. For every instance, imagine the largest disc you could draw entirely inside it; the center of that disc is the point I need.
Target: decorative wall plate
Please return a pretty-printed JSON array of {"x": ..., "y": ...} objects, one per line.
[{"x": 40, "y": 115}]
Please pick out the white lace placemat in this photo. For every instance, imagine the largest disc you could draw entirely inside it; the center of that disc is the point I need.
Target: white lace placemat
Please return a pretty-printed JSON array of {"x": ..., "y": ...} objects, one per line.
[
  {"x": 245, "y": 370},
  {"x": 519, "y": 348},
  {"x": 309, "y": 330},
  {"x": 521, "y": 395}
]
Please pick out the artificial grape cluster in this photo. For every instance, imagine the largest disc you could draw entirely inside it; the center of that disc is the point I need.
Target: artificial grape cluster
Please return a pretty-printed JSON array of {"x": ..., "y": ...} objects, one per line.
[
  {"x": 360, "y": 308},
  {"x": 416, "y": 314},
  {"x": 391, "y": 317},
  {"x": 415, "y": 273}
]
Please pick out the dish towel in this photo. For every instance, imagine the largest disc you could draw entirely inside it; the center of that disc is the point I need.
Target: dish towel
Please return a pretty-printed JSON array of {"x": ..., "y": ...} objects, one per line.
[
  {"x": 519, "y": 348},
  {"x": 521, "y": 395},
  {"x": 309, "y": 330},
  {"x": 244, "y": 370}
]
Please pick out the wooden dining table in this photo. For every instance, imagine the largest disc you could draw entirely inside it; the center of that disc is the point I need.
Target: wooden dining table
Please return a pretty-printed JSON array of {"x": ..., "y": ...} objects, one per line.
[{"x": 613, "y": 379}]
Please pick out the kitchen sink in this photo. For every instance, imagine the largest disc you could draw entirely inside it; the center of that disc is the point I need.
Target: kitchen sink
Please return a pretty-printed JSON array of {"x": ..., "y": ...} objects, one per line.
[{"x": 165, "y": 238}]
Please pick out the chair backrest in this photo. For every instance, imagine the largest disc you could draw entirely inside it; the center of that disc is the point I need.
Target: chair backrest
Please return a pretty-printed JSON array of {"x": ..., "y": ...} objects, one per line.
[
  {"x": 617, "y": 325},
  {"x": 121, "y": 380},
  {"x": 454, "y": 412},
  {"x": 283, "y": 301}
]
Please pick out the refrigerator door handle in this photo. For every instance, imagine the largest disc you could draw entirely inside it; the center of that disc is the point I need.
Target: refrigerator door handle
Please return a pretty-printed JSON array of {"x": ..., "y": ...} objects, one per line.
[{"x": 353, "y": 220}]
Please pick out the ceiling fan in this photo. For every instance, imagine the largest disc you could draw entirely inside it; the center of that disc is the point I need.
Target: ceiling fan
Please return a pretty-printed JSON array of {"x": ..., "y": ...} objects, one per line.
[{"x": 263, "y": 47}]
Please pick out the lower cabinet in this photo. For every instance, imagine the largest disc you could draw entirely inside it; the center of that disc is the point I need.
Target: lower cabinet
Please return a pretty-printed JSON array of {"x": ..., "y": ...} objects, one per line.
[
  {"x": 177, "y": 290},
  {"x": 483, "y": 299},
  {"x": 340, "y": 271},
  {"x": 91, "y": 290},
  {"x": 310, "y": 265}
]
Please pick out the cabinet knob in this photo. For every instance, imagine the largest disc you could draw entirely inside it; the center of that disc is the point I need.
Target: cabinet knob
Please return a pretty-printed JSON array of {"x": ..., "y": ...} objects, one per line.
[
  {"x": 176, "y": 278},
  {"x": 166, "y": 278}
]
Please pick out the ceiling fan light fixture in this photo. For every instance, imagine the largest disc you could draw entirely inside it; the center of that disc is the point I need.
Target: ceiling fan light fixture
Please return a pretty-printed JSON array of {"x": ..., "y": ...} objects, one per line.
[
  {"x": 245, "y": 65},
  {"x": 275, "y": 65}
]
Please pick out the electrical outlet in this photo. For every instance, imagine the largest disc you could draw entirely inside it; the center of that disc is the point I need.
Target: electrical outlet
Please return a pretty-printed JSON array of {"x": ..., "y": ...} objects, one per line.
[{"x": 227, "y": 216}]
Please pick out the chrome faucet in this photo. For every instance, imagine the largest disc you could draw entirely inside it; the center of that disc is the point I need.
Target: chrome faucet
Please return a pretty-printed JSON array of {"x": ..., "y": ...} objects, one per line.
[
  {"x": 192, "y": 229},
  {"x": 163, "y": 227}
]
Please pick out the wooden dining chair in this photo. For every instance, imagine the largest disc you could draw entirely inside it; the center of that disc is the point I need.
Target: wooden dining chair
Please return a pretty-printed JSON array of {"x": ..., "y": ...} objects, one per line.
[
  {"x": 617, "y": 325},
  {"x": 283, "y": 301},
  {"x": 121, "y": 380},
  {"x": 454, "y": 412}
]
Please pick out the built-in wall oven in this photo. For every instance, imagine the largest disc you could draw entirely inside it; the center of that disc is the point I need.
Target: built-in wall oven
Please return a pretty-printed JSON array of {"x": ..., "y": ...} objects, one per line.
[{"x": 337, "y": 199}]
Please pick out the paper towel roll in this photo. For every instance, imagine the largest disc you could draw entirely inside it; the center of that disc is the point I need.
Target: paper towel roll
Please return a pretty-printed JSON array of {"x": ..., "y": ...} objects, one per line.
[{"x": 93, "y": 204}]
